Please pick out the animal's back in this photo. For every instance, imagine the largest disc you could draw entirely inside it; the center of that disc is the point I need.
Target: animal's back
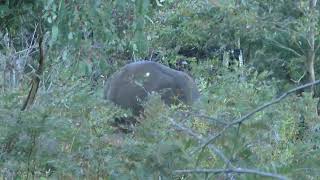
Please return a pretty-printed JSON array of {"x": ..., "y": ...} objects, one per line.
[{"x": 131, "y": 84}]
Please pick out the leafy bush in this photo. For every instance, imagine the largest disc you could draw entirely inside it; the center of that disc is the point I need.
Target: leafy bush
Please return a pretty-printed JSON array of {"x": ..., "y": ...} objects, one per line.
[{"x": 67, "y": 133}]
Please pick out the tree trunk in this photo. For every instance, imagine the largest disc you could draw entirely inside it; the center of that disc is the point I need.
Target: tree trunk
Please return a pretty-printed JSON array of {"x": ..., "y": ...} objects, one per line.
[
  {"x": 310, "y": 56},
  {"x": 310, "y": 68}
]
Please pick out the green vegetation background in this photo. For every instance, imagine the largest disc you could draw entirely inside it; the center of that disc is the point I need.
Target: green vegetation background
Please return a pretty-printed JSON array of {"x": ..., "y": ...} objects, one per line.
[{"x": 66, "y": 134}]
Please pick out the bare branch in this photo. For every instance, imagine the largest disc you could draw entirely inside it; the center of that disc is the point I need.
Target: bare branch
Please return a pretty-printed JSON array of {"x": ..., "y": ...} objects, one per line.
[
  {"x": 285, "y": 47},
  {"x": 35, "y": 82},
  {"x": 277, "y": 100},
  {"x": 201, "y": 140},
  {"x": 228, "y": 171},
  {"x": 248, "y": 115},
  {"x": 298, "y": 81},
  {"x": 32, "y": 44},
  {"x": 317, "y": 47},
  {"x": 203, "y": 116}
]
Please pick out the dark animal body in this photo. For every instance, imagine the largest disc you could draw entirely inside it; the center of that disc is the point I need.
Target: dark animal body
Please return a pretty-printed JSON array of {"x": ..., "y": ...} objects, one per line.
[{"x": 130, "y": 86}]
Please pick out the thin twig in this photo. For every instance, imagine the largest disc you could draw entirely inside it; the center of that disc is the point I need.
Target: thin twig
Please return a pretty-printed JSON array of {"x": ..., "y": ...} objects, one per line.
[
  {"x": 228, "y": 171},
  {"x": 277, "y": 100},
  {"x": 35, "y": 82},
  {"x": 32, "y": 43},
  {"x": 286, "y": 48},
  {"x": 248, "y": 115},
  {"x": 207, "y": 117},
  {"x": 201, "y": 140},
  {"x": 298, "y": 81}
]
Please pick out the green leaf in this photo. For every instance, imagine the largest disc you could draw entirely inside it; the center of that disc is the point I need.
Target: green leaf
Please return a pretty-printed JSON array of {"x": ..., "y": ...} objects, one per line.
[
  {"x": 55, "y": 33},
  {"x": 4, "y": 10},
  {"x": 202, "y": 156},
  {"x": 84, "y": 68},
  {"x": 103, "y": 65},
  {"x": 70, "y": 35}
]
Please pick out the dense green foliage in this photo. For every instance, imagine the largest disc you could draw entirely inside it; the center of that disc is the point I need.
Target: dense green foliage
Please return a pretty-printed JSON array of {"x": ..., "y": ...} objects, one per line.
[{"x": 67, "y": 132}]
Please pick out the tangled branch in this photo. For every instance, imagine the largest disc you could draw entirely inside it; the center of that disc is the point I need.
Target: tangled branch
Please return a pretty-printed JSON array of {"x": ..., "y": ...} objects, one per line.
[
  {"x": 231, "y": 169},
  {"x": 35, "y": 82},
  {"x": 260, "y": 108},
  {"x": 218, "y": 152},
  {"x": 228, "y": 171}
]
